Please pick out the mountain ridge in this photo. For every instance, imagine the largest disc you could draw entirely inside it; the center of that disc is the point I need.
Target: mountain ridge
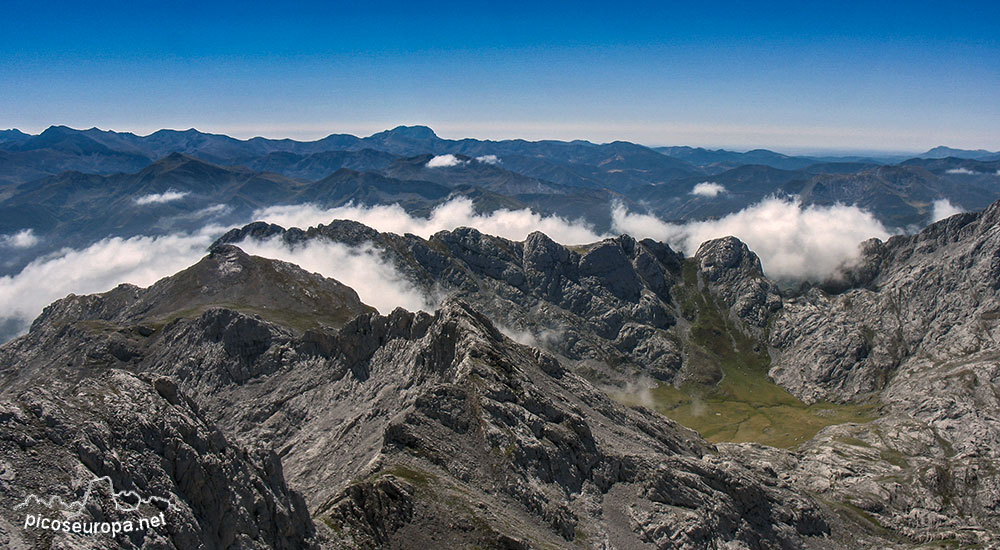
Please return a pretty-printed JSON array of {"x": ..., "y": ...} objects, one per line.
[{"x": 556, "y": 461}]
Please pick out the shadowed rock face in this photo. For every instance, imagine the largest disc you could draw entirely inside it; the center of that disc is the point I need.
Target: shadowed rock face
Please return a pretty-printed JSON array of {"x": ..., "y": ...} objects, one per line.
[
  {"x": 734, "y": 274},
  {"x": 414, "y": 430},
  {"x": 910, "y": 329},
  {"x": 606, "y": 305},
  {"x": 147, "y": 437},
  {"x": 398, "y": 431}
]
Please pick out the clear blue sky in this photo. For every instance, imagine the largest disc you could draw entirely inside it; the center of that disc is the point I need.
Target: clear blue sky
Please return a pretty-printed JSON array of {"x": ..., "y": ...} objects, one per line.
[{"x": 847, "y": 76}]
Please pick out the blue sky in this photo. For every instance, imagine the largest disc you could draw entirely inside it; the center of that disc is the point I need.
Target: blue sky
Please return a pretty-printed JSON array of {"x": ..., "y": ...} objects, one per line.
[{"x": 793, "y": 76}]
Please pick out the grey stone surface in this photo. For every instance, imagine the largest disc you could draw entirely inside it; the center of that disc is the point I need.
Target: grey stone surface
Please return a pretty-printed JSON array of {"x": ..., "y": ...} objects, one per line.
[
  {"x": 398, "y": 431},
  {"x": 417, "y": 430}
]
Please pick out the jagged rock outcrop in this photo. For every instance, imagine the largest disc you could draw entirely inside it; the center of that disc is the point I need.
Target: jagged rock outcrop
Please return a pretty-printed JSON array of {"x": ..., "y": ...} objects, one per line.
[
  {"x": 929, "y": 296},
  {"x": 735, "y": 276},
  {"x": 148, "y": 437},
  {"x": 914, "y": 329},
  {"x": 909, "y": 329},
  {"x": 607, "y": 306},
  {"x": 414, "y": 430},
  {"x": 400, "y": 431}
]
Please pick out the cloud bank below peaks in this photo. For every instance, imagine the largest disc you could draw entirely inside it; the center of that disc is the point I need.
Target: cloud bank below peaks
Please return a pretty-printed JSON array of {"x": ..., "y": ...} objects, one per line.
[
  {"x": 794, "y": 242},
  {"x": 460, "y": 212},
  {"x": 376, "y": 280},
  {"x": 97, "y": 268},
  {"x": 943, "y": 208}
]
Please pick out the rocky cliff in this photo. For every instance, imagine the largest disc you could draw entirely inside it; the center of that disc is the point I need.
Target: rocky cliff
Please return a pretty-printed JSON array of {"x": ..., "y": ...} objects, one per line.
[
  {"x": 403, "y": 431},
  {"x": 896, "y": 355},
  {"x": 274, "y": 409}
]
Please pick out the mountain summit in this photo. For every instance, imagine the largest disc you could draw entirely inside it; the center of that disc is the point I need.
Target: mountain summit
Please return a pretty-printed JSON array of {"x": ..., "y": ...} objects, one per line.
[{"x": 246, "y": 380}]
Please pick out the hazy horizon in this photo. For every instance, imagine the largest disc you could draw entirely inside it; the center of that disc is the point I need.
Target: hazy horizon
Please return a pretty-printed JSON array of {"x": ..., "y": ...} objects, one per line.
[
  {"x": 314, "y": 136},
  {"x": 866, "y": 77}
]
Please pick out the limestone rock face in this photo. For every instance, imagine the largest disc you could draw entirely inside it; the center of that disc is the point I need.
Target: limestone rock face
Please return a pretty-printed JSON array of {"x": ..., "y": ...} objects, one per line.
[
  {"x": 734, "y": 274},
  {"x": 909, "y": 330},
  {"x": 397, "y": 431},
  {"x": 913, "y": 328},
  {"x": 279, "y": 411},
  {"x": 589, "y": 305},
  {"x": 929, "y": 296},
  {"x": 149, "y": 437}
]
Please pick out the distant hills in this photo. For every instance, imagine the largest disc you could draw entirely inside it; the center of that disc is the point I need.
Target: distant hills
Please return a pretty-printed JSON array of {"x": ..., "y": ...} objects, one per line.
[
  {"x": 943, "y": 152},
  {"x": 73, "y": 187}
]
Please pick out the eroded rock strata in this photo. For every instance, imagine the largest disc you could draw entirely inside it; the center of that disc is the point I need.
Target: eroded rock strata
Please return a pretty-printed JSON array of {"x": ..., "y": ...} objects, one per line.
[{"x": 277, "y": 410}]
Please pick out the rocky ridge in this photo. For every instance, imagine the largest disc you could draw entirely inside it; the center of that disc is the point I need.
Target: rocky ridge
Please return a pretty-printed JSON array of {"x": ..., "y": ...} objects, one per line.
[
  {"x": 908, "y": 332},
  {"x": 606, "y": 307},
  {"x": 277, "y": 410},
  {"x": 397, "y": 431}
]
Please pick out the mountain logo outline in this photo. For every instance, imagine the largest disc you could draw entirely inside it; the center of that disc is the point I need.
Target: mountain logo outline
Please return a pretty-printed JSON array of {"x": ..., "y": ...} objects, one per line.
[{"x": 77, "y": 507}]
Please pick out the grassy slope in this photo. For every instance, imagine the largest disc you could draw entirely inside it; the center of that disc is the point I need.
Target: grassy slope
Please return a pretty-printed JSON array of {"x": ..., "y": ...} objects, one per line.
[{"x": 745, "y": 405}]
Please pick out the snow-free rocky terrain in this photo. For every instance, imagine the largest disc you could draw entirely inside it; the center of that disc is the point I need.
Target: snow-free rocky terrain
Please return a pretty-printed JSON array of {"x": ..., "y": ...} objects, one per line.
[{"x": 276, "y": 410}]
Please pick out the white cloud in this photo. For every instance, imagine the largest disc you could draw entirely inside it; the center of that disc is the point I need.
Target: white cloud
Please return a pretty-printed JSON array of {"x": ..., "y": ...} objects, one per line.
[
  {"x": 444, "y": 161},
  {"x": 943, "y": 208},
  {"x": 708, "y": 189},
  {"x": 362, "y": 268},
  {"x": 489, "y": 159},
  {"x": 964, "y": 171},
  {"x": 159, "y": 198},
  {"x": 214, "y": 210},
  {"x": 792, "y": 241},
  {"x": 144, "y": 260},
  {"x": 96, "y": 268},
  {"x": 24, "y": 238},
  {"x": 459, "y": 212},
  {"x": 538, "y": 338}
]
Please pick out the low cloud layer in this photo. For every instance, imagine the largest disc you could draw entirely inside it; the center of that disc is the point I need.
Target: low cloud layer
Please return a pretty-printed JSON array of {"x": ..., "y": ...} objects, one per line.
[
  {"x": 943, "y": 208},
  {"x": 160, "y": 198},
  {"x": 143, "y": 260},
  {"x": 510, "y": 224},
  {"x": 96, "y": 268},
  {"x": 964, "y": 171},
  {"x": 25, "y": 238},
  {"x": 362, "y": 268},
  {"x": 449, "y": 160},
  {"x": 444, "y": 161},
  {"x": 793, "y": 241},
  {"x": 708, "y": 189}
]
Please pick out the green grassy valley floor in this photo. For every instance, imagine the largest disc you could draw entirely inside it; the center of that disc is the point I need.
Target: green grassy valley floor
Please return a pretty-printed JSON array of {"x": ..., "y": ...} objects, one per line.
[{"x": 728, "y": 396}]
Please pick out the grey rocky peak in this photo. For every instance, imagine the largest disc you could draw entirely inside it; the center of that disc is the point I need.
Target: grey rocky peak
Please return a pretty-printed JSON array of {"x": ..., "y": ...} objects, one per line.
[
  {"x": 904, "y": 334},
  {"x": 916, "y": 336},
  {"x": 606, "y": 306},
  {"x": 734, "y": 275},
  {"x": 400, "y": 431},
  {"x": 877, "y": 393}
]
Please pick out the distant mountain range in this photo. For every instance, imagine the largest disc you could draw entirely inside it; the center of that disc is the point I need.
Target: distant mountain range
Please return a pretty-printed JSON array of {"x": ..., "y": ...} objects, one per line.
[
  {"x": 944, "y": 152},
  {"x": 74, "y": 187}
]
